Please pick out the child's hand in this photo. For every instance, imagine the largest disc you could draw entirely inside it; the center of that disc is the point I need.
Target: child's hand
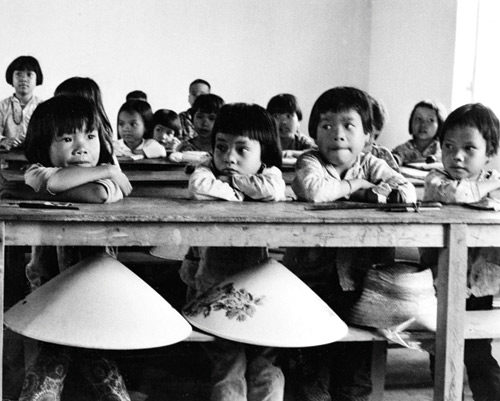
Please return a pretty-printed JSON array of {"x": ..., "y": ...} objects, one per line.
[
  {"x": 9, "y": 143},
  {"x": 120, "y": 179}
]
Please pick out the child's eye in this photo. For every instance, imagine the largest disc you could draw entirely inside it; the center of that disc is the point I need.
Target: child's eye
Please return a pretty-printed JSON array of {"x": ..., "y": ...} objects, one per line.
[
  {"x": 91, "y": 136},
  {"x": 67, "y": 139},
  {"x": 326, "y": 126}
]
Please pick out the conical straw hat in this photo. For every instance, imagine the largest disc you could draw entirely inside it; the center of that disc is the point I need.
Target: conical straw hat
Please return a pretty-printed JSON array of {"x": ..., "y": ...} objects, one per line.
[
  {"x": 98, "y": 303},
  {"x": 266, "y": 305},
  {"x": 395, "y": 293}
]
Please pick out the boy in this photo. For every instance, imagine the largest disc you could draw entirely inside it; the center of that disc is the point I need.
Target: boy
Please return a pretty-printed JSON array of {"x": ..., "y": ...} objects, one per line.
[
  {"x": 341, "y": 124},
  {"x": 469, "y": 139},
  {"x": 196, "y": 88}
]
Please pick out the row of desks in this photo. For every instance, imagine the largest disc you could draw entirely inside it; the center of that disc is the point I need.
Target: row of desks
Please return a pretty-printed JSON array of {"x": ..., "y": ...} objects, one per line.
[{"x": 154, "y": 221}]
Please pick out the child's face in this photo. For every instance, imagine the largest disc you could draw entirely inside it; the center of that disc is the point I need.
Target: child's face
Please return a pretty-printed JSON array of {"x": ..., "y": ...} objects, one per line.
[
  {"x": 464, "y": 152},
  {"x": 131, "y": 128},
  {"x": 341, "y": 138},
  {"x": 424, "y": 124},
  {"x": 197, "y": 90},
  {"x": 24, "y": 82},
  {"x": 204, "y": 123},
  {"x": 236, "y": 154},
  {"x": 163, "y": 134},
  {"x": 81, "y": 148},
  {"x": 288, "y": 124}
]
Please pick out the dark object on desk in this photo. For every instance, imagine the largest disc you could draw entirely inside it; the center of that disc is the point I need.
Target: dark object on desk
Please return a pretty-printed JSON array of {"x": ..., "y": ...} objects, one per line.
[
  {"x": 391, "y": 207},
  {"x": 46, "y": 205}
]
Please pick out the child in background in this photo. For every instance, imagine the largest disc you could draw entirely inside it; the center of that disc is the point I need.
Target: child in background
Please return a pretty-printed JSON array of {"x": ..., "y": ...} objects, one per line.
[
  {"x": 137, "y": 95},
  {"x": 23, "y": 74},
  {"x": 71, "y": 160},
  {"x": 469, "y": 139},
  {"x": 379, "y": 116},
  {"x": 196, "y": 88},
  {"x": 286, "y": 111},
  {"x": 425, "y": 122},
  {"x": 89, "y": 89},
  {"x": 167, "y": 128},
  {"x": 205, "y": 109},
  {"x": 245, "y": 166},
  {"x": 135, "y": 119},
  {"x": 341, "y": 124}
]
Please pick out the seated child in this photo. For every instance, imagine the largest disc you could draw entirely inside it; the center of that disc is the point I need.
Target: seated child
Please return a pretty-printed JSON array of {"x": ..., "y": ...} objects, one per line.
[
  {"x": 379, "y": 116},
  {"x": 286, "y": 111},
  {"x": 196, "y": 88},
  {"x": 469, "y": 139},
  {"x": 205, "y": 109},
  {"x": 135, "y": 118},
  {"x": 426, "y": 120},
  {"x": 167, "y": 128},
  {"x": 245, "y": 166},
  {"x": 71, "y": 160},
  {"x": 341, "y": 124},
  {"x": 23, "y": 74}
]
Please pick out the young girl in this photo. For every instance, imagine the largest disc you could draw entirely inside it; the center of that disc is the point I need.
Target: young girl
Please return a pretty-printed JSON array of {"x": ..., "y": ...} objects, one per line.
[
  {"x": 71, "y": 160},
  {"x": 286, "y": 111},
  {"x": 24, "y": 73},
  {"x": 425, "y": 122},
  {"x": 205, "y": 109},
  {"x": 89, "y": 89},
  {"x": 245, "y": 166},
  {"x": 167, "y": 128},
  {"x": 341, "y": 123},
  {"x": 135, "y": 118}
]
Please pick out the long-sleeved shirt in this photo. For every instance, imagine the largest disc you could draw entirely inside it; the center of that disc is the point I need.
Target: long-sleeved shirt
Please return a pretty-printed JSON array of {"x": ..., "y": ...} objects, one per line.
[
  {"x": 151, "y": 149},
  {"x": 318, "y": 181},
  {"x": 408, "y": 152},
  {"x": 483, "y": 272},
  {"x": 204, "y": 267},
  {"x": 8, "y": 126}
]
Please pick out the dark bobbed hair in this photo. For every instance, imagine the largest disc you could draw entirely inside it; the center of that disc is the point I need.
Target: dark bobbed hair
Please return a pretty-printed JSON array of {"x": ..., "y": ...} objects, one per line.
[
  {"x": 168, "y": 118},
  {"x": 200, "y": 81},
  {"x": 379, "y": 113},
  {"x": 438, "y": 109},
  {"x": 137, "y": 95},
  {"x": 338, "y": 99},
  {"x": 254, "y": 122},
  {"x": 478, "y": 116},
  {"x": 87, "y": 88},
  {"x": 57, "y": 116},
  {"x": 144, "y": 110},
  {"x": 284, "y": 103},
  {"x": 22, "y": 63},
  {"x": 207, "y": 103}
]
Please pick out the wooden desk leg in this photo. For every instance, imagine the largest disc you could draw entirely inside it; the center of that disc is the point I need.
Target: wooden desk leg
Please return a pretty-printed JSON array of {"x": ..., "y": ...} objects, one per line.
[
  {"x": 452, "y": 274},
  {"x": 2, "y": 276}
]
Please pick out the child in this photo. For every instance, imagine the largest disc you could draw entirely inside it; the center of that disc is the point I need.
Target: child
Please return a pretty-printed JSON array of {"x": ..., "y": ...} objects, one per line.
[
  {"x": 24, "y": 73},
  {"x": 135, "y": 118},
  {"x": 245, "y": 166},
  {"x": 287, "y": 114},
  {"x": 137, "y": 95},
  {"x": 167, "y": 128},
  {"x": 70, "y": 161},
  {"x": 469, "y": 139},
  {"x": 205, "y": 109},
  {"x": 379, "y": 116},
  {"x": 89, "y": 89},
  {"x": 341, "y": 124},
  {"x": 196, "y": 88},
  {"x": 426, "y": 120}
]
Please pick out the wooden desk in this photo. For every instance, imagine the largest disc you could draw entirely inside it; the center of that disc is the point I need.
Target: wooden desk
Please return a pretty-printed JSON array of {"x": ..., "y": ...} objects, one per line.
[{"x": 147, "y": 222}]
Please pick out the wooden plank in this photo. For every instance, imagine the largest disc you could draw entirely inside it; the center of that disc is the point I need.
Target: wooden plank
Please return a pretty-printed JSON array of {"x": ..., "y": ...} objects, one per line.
[
  {"x": 2, "y": 286},
  {"x": 450, "y": 318},
  {"x": 220, "y": 234},
  {"x": 482, "y": 324},
  {"x": 483, "y": 235}
]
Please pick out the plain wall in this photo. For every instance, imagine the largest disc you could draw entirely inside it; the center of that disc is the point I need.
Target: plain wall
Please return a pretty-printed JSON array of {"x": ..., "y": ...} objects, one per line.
[{"x": 249, "y": 50}]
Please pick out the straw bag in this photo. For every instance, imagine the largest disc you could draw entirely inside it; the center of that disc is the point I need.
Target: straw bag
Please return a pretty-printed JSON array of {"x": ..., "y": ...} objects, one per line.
[{"x": 395, "y": 293}]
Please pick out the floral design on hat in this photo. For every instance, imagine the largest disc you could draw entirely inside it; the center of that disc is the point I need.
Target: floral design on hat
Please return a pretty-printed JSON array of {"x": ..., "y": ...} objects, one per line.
[{"x": 239, "y": 304}]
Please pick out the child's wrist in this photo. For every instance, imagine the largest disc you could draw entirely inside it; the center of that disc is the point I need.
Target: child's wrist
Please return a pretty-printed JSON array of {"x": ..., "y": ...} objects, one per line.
[{"x": 349, "y": 191}]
